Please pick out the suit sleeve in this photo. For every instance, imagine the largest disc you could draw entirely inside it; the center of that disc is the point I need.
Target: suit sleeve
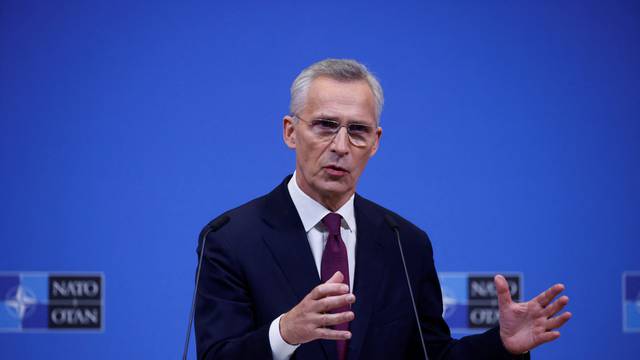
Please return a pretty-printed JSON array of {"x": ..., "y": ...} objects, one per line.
[
  {"x": 224, "y": 317},
  {"x": 437, "y": 336}
]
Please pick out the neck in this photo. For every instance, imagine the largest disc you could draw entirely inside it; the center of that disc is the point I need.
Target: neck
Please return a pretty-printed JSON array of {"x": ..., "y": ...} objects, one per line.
[{"x": 333, "y": 204}]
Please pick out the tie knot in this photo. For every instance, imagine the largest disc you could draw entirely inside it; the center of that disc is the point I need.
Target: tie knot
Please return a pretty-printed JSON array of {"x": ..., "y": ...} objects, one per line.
[{"x": 332, "y": 222}]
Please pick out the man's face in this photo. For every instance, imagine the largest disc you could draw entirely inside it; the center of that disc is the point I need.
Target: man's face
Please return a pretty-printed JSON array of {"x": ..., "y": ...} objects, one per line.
[{"x": 328, "y": 168}]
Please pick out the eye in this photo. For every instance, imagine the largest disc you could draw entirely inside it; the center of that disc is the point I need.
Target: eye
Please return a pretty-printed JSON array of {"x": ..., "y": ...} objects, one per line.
[
  {"x": 359, "y": 129},
  {"x": 324, "y": 124}
]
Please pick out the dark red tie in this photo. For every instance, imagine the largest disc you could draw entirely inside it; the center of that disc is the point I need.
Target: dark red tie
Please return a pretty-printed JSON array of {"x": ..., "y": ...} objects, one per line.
[{"x": 334, "y": 258}]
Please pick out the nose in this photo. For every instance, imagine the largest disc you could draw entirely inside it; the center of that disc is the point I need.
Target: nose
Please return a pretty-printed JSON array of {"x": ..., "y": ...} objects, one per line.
[{"x": 340, "y": 143}]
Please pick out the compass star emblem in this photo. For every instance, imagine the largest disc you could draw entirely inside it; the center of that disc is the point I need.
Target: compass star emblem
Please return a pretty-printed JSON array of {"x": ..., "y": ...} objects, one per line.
[
  {"x": 19, "y": 301},
  {"x": 448, "y": 303}
]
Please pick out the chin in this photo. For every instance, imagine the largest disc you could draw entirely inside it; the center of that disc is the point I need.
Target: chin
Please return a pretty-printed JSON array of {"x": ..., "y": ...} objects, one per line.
[{"x": 335, "y": 187}]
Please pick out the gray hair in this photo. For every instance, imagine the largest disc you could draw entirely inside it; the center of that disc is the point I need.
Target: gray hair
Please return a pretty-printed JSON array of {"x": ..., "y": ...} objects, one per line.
[{"x": 337, "y": 69}]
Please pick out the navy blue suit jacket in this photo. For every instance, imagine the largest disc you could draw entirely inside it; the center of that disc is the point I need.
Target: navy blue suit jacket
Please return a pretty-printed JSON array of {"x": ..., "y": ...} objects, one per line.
[{"x": 260, "y": 265}]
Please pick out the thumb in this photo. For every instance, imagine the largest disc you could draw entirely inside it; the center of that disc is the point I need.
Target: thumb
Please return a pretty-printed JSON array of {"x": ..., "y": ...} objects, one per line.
[
  {"x": 502, "y": 287},
  {"x": 337, "y": 278}
]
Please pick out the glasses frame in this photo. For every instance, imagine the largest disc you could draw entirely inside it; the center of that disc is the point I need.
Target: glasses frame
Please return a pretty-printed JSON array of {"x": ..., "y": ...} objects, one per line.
[{"x": 340, "y": 126}]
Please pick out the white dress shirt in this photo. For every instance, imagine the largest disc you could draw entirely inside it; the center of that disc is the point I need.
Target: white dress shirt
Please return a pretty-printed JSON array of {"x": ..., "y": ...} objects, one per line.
[{"x": 311, "y": 213}]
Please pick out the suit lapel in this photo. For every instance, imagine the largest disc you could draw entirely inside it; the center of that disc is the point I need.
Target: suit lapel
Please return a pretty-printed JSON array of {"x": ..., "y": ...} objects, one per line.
[
  {"x": 368, "y": 272},
  {"x": 289, "y": 246}
]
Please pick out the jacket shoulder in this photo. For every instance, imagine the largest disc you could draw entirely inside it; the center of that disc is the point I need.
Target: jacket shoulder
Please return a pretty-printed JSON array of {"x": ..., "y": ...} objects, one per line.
[
  {"x": 405, "y": 226},
  {"x": 246, "y": 221},
  {"x": 243, "y": 218}
]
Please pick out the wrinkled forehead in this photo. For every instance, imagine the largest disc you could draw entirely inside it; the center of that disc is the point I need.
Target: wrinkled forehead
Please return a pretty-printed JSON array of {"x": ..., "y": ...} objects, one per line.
[{"x": 341, "y": 100}]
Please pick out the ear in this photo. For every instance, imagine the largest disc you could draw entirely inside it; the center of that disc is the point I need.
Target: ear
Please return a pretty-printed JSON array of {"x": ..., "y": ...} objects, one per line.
[
  {"x": 289, "y": 132},
  {"x": 376, "y": 144}
]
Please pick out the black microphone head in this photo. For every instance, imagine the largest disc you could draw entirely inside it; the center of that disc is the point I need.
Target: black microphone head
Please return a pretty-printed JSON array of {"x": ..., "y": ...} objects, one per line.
[
  {"x": 215, "y": 225},
  {"x": 391, "y": 221}
]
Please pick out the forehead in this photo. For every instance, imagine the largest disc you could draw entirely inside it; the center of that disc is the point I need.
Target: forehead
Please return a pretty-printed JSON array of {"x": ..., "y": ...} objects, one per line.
[{"x": 348, "y": 100}]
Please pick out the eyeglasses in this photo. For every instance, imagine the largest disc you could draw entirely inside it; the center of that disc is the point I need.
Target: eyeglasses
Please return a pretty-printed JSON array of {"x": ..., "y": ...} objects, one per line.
[{"x": 360, "y": 135}]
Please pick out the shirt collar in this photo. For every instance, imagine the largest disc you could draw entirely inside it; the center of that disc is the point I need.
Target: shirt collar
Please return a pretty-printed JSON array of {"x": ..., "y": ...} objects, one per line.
[{"x": 312, "y": 212}]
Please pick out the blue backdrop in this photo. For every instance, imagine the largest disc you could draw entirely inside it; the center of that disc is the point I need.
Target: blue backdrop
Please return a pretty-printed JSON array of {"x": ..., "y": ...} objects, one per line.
[{"x": 511, "y": 135}]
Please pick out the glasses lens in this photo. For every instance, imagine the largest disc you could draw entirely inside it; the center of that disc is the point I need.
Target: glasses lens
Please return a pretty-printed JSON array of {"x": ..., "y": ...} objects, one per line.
[
  {"x": 360, "y": 134},
  {"x": 358, "y": 140},
  {"x": 323, "y": 127}
]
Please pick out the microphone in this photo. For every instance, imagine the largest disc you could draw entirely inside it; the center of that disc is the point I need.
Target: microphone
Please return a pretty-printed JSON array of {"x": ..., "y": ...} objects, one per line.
[
  {"x": 394, "y": 226},
  {"x": 213, "y": 226}
]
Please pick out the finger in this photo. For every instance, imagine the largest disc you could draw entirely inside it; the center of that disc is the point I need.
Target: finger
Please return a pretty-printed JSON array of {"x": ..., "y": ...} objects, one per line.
[
  {"x": 545, "y": 297},
  {"x": 502, "y": 287},
  {"x": 329, "y": 303},
  {"x": 547, "y": 336},
  {"x": 336, "y": 278},
  {"x": 324, "y": 290},
  {"x": 557, "y": 305},
  {"x": 327, "y": 320},
  {"x": 558, "y": 321},
  {"x": 329, "y": 334}
]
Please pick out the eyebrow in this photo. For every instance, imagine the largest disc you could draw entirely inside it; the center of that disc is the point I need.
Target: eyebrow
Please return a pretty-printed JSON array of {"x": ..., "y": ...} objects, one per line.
[
  {"x": 336, "y": 118},
  {"x": 326, "y": 117}
]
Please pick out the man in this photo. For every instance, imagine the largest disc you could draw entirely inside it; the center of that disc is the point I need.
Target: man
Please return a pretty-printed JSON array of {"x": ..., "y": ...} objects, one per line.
[{"x": 313, "y": 271}]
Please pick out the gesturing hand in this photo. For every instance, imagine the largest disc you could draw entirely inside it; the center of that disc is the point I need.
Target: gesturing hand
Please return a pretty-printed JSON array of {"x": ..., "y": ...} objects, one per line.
[
  {"x": 310, "y": 319},
  {"x": 523, "y": 326}
]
